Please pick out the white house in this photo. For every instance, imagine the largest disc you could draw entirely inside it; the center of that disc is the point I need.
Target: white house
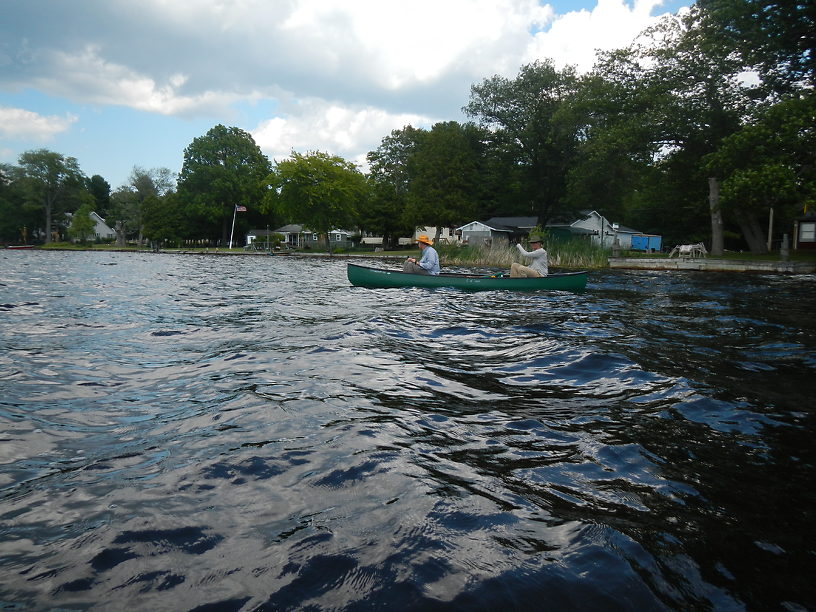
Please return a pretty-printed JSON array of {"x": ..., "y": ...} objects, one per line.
[
  {"x": 591, "y": 224},
  {"x": 296, "y": 236},
  {"x": 478, "y": 232},
  {"x": 601, "y": 230},
  {"x": 101, "y": 229},
  {"x": 340, "y": 238},
  {"x": 259, "y": 235},
  {"x": 497, "y": 230},
  {"x": 447, "y": 235}
]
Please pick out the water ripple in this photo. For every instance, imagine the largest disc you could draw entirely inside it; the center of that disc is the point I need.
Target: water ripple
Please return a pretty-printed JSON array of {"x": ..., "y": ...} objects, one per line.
[{"x": 234, "y": 435}]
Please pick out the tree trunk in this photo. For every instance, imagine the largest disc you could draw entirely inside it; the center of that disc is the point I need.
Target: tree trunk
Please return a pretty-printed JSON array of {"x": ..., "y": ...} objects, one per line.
[
  {"x": 225, "y": 229},
  {"x": 120, "y": 234},
  {"x": 752, "y": 232},
  {"x": 47, "y": 224},
  {"x": 716, "y": 217}
]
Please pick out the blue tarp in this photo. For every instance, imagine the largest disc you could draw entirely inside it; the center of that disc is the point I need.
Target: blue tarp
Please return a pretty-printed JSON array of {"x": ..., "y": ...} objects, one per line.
[{"x": 647, "y": 242}]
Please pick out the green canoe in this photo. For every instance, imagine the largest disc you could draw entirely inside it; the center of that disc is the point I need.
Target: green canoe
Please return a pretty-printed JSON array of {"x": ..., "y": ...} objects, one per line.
[{"x": 377, "y": 278}]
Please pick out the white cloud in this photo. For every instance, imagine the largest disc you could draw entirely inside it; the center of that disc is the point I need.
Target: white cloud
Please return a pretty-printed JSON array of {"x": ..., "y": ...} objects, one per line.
[
  {"x": 338, "y": 75},
  {"x": 574, "y": 37},
  {"x": 18, "y": 123},
  {"x": 322, "y": 126},
  {"x": 86, "y": 76},
  {"x": 401, "y": 44},
  {"x": 418, "y": 56}
]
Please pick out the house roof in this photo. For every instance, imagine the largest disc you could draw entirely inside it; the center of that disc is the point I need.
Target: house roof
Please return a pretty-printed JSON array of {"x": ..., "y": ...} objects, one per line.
[
  {"x": 474, "y": 224},
  {"x": 569, "y": 227},
  {"x": 513, "y": 222},
  {"x": 292, "y": 228},
  {"x": 576, "y": 226}
]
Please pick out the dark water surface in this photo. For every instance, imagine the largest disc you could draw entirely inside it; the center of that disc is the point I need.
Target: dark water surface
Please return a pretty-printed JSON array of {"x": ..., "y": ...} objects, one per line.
[{"x": 252, "y": 433}]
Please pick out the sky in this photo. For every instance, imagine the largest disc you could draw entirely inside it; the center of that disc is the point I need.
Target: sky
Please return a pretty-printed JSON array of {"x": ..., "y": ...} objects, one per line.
[{"x": 118, "y": 83}]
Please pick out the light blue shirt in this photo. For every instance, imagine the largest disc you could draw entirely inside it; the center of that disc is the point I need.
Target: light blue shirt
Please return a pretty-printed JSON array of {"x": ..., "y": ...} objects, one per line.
[{"x": 429, "y": 260}]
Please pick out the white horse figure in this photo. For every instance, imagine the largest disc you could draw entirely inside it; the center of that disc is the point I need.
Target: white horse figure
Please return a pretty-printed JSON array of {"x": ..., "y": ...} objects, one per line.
[{"x": 689, "y": 251}]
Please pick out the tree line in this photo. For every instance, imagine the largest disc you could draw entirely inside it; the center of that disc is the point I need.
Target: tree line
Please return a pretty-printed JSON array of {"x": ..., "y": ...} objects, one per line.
[{"x": 695, "y": 131}]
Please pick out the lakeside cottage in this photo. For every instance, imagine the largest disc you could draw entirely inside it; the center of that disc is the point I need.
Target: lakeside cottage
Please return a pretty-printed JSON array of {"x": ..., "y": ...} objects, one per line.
[
  {"x": 295, "y": 236},
  {"x": 592, "y": 225}
]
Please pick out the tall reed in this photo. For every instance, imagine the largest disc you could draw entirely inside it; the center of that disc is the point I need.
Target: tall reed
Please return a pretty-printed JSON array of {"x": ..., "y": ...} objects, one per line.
[{"x": 575, "y": 253}]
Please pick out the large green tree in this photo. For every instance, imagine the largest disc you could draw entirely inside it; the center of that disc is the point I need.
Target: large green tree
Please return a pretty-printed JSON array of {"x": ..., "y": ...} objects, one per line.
[
  {"x": 770, "y": 163},
  {"x": 222, "y": 169},
  {"x": 17, "y": 221},
  {"x": 321, "y": 191},
  {"x": 50, "y": 180},
  {"x": 82, "y": 225},
  {"x": 389, "y": 183},
  {"x": 774, "y": 38},
  {"x": 523, "y": 116},
  {"x": 445, "y": 170},
  {"x": 619, "y": 137},
  {"x": 100, "y": 189},
  {"x": 164, "y": 219},
  {"x": 652, "y": 112}
]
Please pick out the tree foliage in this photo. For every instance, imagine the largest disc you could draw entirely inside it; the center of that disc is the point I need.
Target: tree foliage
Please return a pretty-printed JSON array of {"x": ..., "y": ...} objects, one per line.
[
  {"x": 389, "y": 182},
  {"x": 769, "y": 163},
  {"x": 100, "y": 189},
  {"x": 319, "y": 190},
  {"x": 523, "y": 113},
  {"x": 49, "y": 180},
  {"x": 774, "y": 38},
  {"x": 445, "y": 170},
  {"x": 165, "y": 219},
  {"x": 82, "y": 225},
  {"x": 718, "y": 95},
  {"x": 222, "y": 169}
]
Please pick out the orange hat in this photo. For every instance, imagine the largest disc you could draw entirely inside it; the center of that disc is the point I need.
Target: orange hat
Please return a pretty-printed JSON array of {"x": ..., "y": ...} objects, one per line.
[{"x": 425, "y": 239}]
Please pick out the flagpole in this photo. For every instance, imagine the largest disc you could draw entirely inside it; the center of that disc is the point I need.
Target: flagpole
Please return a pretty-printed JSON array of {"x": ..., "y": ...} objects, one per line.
[{"x": 234, "y": 212}]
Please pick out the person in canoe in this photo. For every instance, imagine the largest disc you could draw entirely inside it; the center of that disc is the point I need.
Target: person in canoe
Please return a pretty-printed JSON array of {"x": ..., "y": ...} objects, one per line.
[
  {"x": 428, "y": 263},
  {"x": 540, "y": 262}
]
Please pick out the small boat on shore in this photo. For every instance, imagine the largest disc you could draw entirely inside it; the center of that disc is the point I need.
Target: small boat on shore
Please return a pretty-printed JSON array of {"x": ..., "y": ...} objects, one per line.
[
  {"x": 20, "y": 246},
  {"x": 379, "y": 278}
]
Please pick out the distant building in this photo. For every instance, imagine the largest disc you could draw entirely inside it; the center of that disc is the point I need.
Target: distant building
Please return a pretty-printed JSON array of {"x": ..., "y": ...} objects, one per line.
[
  {"x": 591, "y": 225},
  {"x": 484, "y": 233},
  {"x": 101, "y": 229},
  {"x": 447, "y": 235},
  {"x": 804, "y": 232},
  {"x": 296, "y": 236},
  {"x": 340, "y": 238},
  {"x": 259, "y": 236}
]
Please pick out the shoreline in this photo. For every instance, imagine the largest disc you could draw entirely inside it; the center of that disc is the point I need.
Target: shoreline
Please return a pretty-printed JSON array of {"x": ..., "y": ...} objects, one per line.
[
  {"x": 615, "y": 263},
  {"x": 713, "y": 265}
]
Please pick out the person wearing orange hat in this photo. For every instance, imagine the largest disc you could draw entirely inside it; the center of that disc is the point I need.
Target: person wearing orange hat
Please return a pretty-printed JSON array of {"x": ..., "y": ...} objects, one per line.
[{"x": 428, "y": 263}]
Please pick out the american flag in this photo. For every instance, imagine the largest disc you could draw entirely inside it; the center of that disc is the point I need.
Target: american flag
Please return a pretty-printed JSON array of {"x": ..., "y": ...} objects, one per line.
[{"x": 240, "y": 209}]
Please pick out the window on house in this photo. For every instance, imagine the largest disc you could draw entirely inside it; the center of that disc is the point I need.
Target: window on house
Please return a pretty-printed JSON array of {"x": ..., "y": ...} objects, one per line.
[{"x": 807, "y": 231}]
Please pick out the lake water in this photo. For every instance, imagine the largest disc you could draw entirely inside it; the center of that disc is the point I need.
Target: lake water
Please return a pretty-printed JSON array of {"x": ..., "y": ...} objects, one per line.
[{"x": 185, "y": 432}]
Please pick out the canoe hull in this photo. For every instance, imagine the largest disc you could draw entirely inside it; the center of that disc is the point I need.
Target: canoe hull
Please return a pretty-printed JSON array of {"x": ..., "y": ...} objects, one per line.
[{"x": 378, "y": 278}]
